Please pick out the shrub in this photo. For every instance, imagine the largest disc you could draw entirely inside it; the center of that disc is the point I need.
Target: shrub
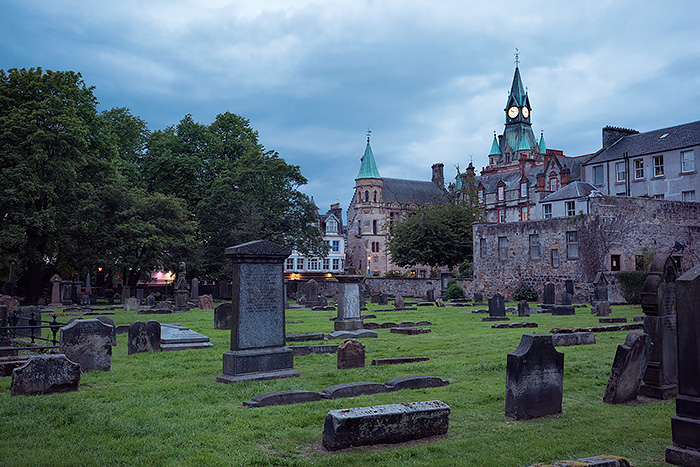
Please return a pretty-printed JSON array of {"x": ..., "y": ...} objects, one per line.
[
  {"x": 454, "y": 290},
  {"x": 405, "y": 274},
  {"x": 466, "y": 270},
  {"x": 523, "y": 292},
  {"x": 631, "y": 285}
]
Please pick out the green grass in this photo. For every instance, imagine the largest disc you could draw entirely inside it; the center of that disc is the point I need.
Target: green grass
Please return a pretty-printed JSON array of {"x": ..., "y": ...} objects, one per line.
[{"x": 166, "y": 408}]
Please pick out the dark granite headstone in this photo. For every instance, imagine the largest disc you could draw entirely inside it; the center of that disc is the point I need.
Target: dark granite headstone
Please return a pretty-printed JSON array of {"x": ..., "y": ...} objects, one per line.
[
  {"x": 222, "y": 316},
  {"x": 88, "y": 342},
  {"x": 66, "y": 293},
  {"x": 144, "y": 337},
  {"x": 685, "y": 425},
  {"x": 523, "y": 309},
  {"x": 45, "y": 374},
  {"x": 258, "y": 348},
  {"x": 569, "y": 287},
  {"x": 351, "y": 354},
  {"x": 497, "y": 305},
  {"x": 534, "y": 378},
  {"x": 628, "y": 368},
  {"x": 548, "y": 297}
]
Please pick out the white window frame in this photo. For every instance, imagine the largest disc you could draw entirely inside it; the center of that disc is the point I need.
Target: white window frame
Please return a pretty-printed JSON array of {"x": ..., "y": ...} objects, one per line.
[
  {"x": 523, "y": 190},
  {"x": 502, "y": 248},
  {"x": 598, "y": 175},
  {"x": 554, "y": 255},
  {"x": 688, "y": 196},
  {"x": 290, "y": 264},
  {"x": 501, "y": 216},
  {"x": 658, "y": 165},
  {"x": 547, "y": 211},
  {"x": 572, "y": 244},
  {"x": 336, "y": 264},
  {"x": 639, "y": 169},
  {"x": 534, "y": 244},
  {"x": 501, "y": 193},
  {"x": 553, "y": 184},
  {"x": 570, "y": 208},
  {"x": 620, "y": 172},
  {"x": 314, "y": 264},
  {"x": 326, "y": 264},
  {"x": 688, "y": 164}
]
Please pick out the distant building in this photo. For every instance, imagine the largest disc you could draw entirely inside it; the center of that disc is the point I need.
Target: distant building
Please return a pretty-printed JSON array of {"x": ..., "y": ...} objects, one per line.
[
  {"x": 298, "y": 266},
  {"x": 377, "y": 203},
  {"x": 571, "y": 200}
]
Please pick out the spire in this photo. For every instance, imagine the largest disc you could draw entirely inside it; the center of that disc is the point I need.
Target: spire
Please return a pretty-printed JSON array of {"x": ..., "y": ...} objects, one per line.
[
  {"x": 543, "y": 146},
  {"x": 368, "y": 168},
  {"x": 517, "y": 95},
  {"x": 495, "y": 149},
  {"x": 523, "y": 144}
]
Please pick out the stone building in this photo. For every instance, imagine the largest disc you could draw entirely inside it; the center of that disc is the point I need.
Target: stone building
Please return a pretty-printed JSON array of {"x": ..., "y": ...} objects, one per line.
[
  {"x": 612, "y": 236},
  {"x": 378, "y": 202}
]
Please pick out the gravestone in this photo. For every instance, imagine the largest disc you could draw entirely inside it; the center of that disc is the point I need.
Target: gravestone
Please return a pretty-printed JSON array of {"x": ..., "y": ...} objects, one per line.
[
  {"x": 430, "y": 295},
  {"x": 125, "y": 295},
  {"x": 534, "y": 378},
  {"x": 206, "y": 302},
  {"x": 399, "y": 302},
  {"x": 85, "y": 300},
  {"x": 181, "y": 291},
  {"x": 176, "y": 337},
  {"x": 348, "y": 318},
  {"x": 351, "y": 354},
  {"x": 478, "y": 298},
  {"x": 76, "y": 292},
  {"x": 569, "y": 287},
  {"x": 602, "y": 308},
  {"x": 628, "y": 368},
  {"x": 523, "y": 309},
  {"x": 659, "y": 306},
  {"x": 144, "y": 337},
  {"x": 151, "y": 300},
  {"x": 566, "y": 299},
  {"x": 55, "y": 291},
  {"x": 139, "y": 295},
  {"x": 383, "y": 299},
  {"x": 685, "y": 425},
  {"x": 88, "y": 342},
  {"x": 600, "y": 288},
  {"x": 222, "y": 316},
  {"x": 88, "y": 287},
  {"x": 322, "y": 301},
  {"x": 311, "y": 293},
  {"x": 258, "y": 348},
  {"x": 548, "y": 297},
  {"x": 5, "y": 340},
  {"x": 195, "y": 289},
  {"x": 131, "y": 304},
  {"x": 497, "y": 305},
  {"x": 45, "y": 374},
  {"x": 66, "y": 293}
]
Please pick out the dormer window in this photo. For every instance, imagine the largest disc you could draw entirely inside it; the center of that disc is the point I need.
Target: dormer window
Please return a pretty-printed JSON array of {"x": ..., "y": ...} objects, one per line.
[
  {"x": 501, "y": 193},
  {"x": 331, "y": 226},
  {"x": 523, "y": 189},
  {"x": 553, "y": 184},
  {"x": 481, "y": 195}
]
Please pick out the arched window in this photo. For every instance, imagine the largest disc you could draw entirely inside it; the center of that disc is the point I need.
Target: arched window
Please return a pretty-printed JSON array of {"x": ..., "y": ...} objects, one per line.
[
  {"x": 375, "y": 196},
  {"x": 366, "y": 196}
]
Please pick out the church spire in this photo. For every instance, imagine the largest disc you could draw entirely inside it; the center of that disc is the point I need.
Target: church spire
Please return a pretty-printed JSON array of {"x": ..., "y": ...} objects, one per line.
[
  {"x": 542, "y": 145},
  {"x": 495, "y": 149},
  {"x": 368, "y": 168}
]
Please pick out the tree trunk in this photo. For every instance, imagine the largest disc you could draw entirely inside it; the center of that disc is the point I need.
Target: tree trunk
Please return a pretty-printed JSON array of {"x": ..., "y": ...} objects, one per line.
[{"x": 34, "y": 282}]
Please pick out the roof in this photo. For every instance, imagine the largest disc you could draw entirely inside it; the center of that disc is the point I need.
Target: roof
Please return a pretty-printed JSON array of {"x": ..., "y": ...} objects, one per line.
[
  {"x": 517, "y": 90},
  {"x": 495, "y": 150},
  {"x": 573, "y": 190},
  {"x": 408, "y": 191},
  {"x": 511, "y": 179},
  {"x": 665, "y": 139},
  {"x": 368, "y": 168}
]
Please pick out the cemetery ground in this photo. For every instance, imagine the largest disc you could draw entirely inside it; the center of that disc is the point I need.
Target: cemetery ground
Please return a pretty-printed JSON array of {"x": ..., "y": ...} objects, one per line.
[{"x": 166, "y": 408}]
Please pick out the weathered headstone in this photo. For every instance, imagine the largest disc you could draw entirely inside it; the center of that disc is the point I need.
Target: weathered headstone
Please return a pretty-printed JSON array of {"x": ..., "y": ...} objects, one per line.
[
  {"x": 685, "y": 425},
  {"x": 569, "y": 287},
  {"x": 131, "y": 304},
  {"x": 88, "y": 286},
  {"x": 311, "y": 293},
  {"x": 602, "y": 308},
  {"x": 566, "y": 298},
  {"x": 351, "y": 354},
  {"x": 600, "y": 288},
  {"x": 348, "y": 318},
  {"x": 56, "y": 291},
  {"x": 144, "y": 337},
  {"x": 181, "y": 291},
  {"x": 206, "y": 302},
  {"x": 139, "y": 295},
  {"x": 77, "y": 291},
  {"x": 430, "y": 295},
  {"x": 222, "y": 316},
  {"x": 478, "y": 298},
  {"x": 628, "y": 368},
  {"x": 151, "y": 300},
  {"x": 5, "y": 340},
  {"x": 66, "y": 293},
  {"x": 497, "y": 305},
  {"x": 523, "y": 309},
  {"x": 659, "y": 306},
  {"x": 88, "y": 342},
  {"x": 534, "y": 378},
  {"x": 548, "y": 297},
  {"x": 45, "y": 374},
  {"x": 195, "y": 289},
  {"x": 258, "y": 348},
  {"x": 126, "y": 294},
  {"x": 399, "y": 302}
]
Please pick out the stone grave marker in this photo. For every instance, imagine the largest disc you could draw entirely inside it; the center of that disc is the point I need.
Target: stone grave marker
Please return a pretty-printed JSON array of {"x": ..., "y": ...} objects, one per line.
[
  {"x": 139, "y": 295},
  {"x": 176, "y": 337},
  {"x": 131, "y": 304},
  {"x": 258, "y": 348},
  {"x": 348, "y": 318},
  {"x": 195, "y": 289},
  {"x": 206, "y": 302},
  {"x": 569, "y": 287},
  {"x": 9, "y": 287},
  {"x": 182, "y": 290},
  {"x": 222, "y": 316},
  {"x": 628, "y": 368},
  {"x": 685, "y": 425},
  {"x": 523, "y": 309},
  {"x": 534, "y": 378},
  {"x": 602, "y": 308},
  {"x": 311, "y": 293},
  {"x": 548, "y": 297},
  {"x": 144, "y": 337},
  {"x": 399, "y": 302},
  {"x": 351, "y": 354},
  {"x": 45, "y": 374},
  {"x": 88, "y": 342},
  {"x": 497, "y": 305},
  {"x": 430, "y": 295},
  {"x": 600, "y": 288},
  {"x": 478, "y": 298},
  {"x": 566, "y": 298},
  {"x": 66, "y": 293},
  {"x": 56, "y": 291},
  {"x": 151, "y": 300}
]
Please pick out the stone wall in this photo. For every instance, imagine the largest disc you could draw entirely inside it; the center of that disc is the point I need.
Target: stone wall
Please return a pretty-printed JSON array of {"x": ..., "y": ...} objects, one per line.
[{"x": 388, "y": 285}]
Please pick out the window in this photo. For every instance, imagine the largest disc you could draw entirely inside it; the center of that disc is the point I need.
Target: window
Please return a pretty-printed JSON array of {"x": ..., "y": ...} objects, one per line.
[
  {"x": 572, "y": 244},
  {"x": 689, "y": 195},
  {"x": 481, "y": 195},
  {"x": 534, "y": 246},
  {"x": 555, "y": 258},
  {"x": 661, "y": 196},
  {"x": 336, "y": 246},
  {"x": 687, "y": 161},
  {"x": 422, "y": 273},
  {"x": 524, "y": 213},
  {"x": 375, "y": 196},
  {"x": 614, "y": 262},
  {"x": 598, "y": 175},
  {"x": 336, "y": 264},
  {"x": 331, "y": 226},
  {"x": 547, "y": 211},
  {"x": 374, "y": 227},
  {"x": 391, "y": 218},
  {"x": 366, "y": 196},
  {"x": 570, "y": 208},
  {"x": 553, "y": 183},
  {"x": 638, "y": 169},
  {"x": 313, "y": 264},
  {"x": 501, "y": 215},
  {"x": 326, "y": 264},
  {"x": 523, "y": 190},
  {"x": 501, "y": 193},
  {"x": 620, "y": 173},
  {"x": 503, "y": 248},
  {"x": 658, "y": 166},
  {"x": 482, "y": 247},
  {"x": 290, "y": 264},
  {"x": 300, "y": 263}
]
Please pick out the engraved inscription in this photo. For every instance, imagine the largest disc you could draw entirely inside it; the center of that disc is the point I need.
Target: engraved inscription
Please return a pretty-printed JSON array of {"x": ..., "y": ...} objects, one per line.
[{"x": 260, "y": 287}]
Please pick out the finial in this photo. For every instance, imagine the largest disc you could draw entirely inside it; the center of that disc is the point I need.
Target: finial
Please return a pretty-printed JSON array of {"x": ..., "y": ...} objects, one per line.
[
  {"x": 471, "y": 159},
  {"x": 517, "y": 57},
  {"x": 369, "y": 132}
]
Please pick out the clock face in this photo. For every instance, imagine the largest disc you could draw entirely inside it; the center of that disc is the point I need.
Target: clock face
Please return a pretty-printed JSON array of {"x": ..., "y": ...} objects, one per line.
[
  {"x": 513, "y": 112},
  {"x": 526, "y": 112}
]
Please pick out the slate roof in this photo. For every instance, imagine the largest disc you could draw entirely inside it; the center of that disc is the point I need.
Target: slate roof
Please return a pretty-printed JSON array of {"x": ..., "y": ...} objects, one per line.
[
  {"x": 511, "y": 179},
  {"x": 677, "y": 137},
  {"x": 573, "y": 190},
  {"x": 407, "y": 191}
]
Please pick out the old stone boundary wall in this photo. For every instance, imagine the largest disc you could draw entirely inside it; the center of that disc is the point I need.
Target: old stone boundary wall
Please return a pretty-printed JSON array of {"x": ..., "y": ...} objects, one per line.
[
  {"x": 391, "y": 286},
  {"x": 630, "y": 225}
]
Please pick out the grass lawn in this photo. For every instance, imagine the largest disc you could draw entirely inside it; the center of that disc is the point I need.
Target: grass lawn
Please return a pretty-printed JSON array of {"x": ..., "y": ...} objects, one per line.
[{"x": 166, "y": 408}]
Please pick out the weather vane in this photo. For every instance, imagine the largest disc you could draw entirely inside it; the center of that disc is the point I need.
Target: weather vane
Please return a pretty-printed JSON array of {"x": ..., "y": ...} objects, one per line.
[
  {"x": 517, "y": 57},
  {"x": 369, "y": 133}
]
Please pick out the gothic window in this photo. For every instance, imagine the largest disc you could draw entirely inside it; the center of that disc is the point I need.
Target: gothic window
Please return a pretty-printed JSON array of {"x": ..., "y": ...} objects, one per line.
[
  {"x": 366, "y": 196},
  {"x": 375, "y": 196},
  {"x": 374, "y": 227}
]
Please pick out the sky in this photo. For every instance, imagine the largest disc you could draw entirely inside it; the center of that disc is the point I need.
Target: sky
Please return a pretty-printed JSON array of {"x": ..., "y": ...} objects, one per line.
[{"x": 430, "y": 79}]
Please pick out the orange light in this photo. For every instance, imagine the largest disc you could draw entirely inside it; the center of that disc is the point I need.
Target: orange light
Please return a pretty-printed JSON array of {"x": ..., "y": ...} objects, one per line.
[{"x": 329, "y": 275}]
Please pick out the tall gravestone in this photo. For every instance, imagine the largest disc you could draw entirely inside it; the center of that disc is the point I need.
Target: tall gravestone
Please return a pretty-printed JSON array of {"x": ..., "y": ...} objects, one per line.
[
  {"x": 182, "y": 291},
  {"x": 194, "y": 291},
  {"x": 77, "y": 291},
  {"x": 66, "y": 292},
  {"x": 659, "y": 307},
  {"x": 4, "y": 334},
  {"x": 600, "y": 288},
  {"x": 348, "y": 318},
  {"x": 523, "y": 308},
  {"x": 430, "y": 295},
  {"x": 548, "y": 297},
  {"x": 88, "y": 286},
  {"x": 9, "y": 287},
  {"x": 497, "y": 305},
  {"x": 258, "y": 348},
  {"x": 569, "y": 287},
  {"x": 534, "y": 378},
  {"x": 139, "y": 295},
  {"x": 56, "y": 291},
  {"x": 685, "y": 425},
  {"x": 311, "y": 293}
]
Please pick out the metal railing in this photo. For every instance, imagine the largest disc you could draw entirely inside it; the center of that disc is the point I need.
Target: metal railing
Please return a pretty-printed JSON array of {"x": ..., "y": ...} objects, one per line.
[{"x": 33, "y": 325}]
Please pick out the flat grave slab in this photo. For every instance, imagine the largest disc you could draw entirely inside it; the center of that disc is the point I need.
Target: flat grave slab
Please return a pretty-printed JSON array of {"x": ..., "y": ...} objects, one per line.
[
  {"x": 300, "y": 350},
  {"x": 596, "y": 461},
  {"x": 612, "y": 320},
  {"x": 360, "y": 333},
  {"x": 415, "y": 382},
  {"x": 574, "y": 338},
  {"x": 409, "y": 331},
  {"x": 310, "y": 336},
  {"x": 516, "y": 325},
  {"x": 176, "y": 337},
  {"x": 353, "y": 389},
  {"x": 494, "y": 318},
  {"x": 283, "y": 398},
  {"x": 398, "y": 360}
]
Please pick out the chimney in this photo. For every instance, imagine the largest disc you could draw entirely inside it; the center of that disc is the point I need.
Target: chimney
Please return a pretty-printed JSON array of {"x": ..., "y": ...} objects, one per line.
[
  {"x": 612, "y": 134},
  {"x": 438, "y": 176},
  {"x": 540, "y": 181},
  {"x": 470, "y": 170},
  {"x": 565, "y": 176}
]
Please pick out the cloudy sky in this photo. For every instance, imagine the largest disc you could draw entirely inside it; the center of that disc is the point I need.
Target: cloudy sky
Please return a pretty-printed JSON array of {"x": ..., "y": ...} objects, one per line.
[{"x": 429, "y": 78}]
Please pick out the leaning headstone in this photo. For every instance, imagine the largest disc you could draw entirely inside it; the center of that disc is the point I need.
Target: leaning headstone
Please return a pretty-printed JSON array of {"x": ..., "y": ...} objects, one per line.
[
  {"x": 685, "y": 425},
  {"x": 88, "y": 342},
  {"x": 659, "y": 306},
  {"x": 222, "y": 316},
  {"x": 497, "y": 305},
  {"x": 311, "y": 293},
  {"x": 351, "y": 354},
  {"x": 131, "y": 304},
  {"x": 195, "y": 289},
  {"x": 534, "y": 378},
  {"x": 523, "y": 309},
  {"x": 348, "y": 318},
  {"x": 45, "y": 374},
  {"x": 602, "y": 308},
  {"x": 258, "y": 348},
  {"x": 399, "y": 302},
  {"x": 144, "y": 337},
  {"x": 628, "y": 368},
  {"x": 206, "y": 302}
]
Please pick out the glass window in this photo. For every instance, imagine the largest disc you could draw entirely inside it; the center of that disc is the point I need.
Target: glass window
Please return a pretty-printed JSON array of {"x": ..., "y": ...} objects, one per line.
[
  {"x": 331, "y": 226},
  {"x": 300, "y": 263},
  {"x": 534, "y": 246},
  {"x": 374, "y": 227},
  {"x": 547, "y": 211},
  {"x": 555, "y": 258},
  {"x": 313, "y": 264},
  {"x": 614, "y": 262},
  {"x": 553, "y": 184},
  {"x": 501, "y": 215},
  {"x": 336, "y": 246},
  {"x": 524, "y": 213},
  {"x": 687, "y": 161},
  {"x": 501, "y": 193},
  {"x": 598, "y": 175},
  {"x": 503, "y": 248},
  {"x": 523, "y": 190},
  {"x": 570, "y": 208},
  {"x": 658, "y": 166},
  {"x": 290, "y": 264},
  {"x": 689, "y": 195},
  {"x": 482, "y": 247},
  {"x": 638, "y": 169},
  {"x": 620, "y": 173},
  {"x": 326, "y": 264},
  {"x": 336, "y": 264},
  {"x": 366, "y": 196},
  {"x": 661, "y": 196},
  {"x": 481, "y": 195},
  {"x": 572, "y": 244}
]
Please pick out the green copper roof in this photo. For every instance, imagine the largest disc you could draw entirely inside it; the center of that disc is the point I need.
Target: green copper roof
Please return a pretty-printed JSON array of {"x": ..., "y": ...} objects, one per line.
[
  {"x": 518, "y": 137},
  {"x": 495, "y": 150},
  {"x": 543, "y": 146},
  {"x": 368, "y": 168},
  {"x": 517, "y": 90}
]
